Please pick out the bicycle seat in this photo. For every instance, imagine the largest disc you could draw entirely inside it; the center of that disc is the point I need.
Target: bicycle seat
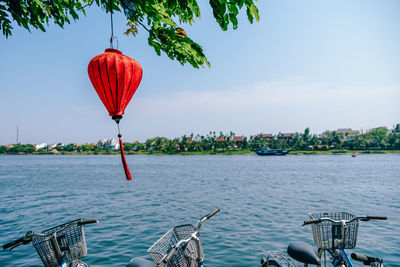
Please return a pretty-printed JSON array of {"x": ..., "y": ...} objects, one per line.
[
  {"x": 141, "y": 263},
  {"x": 303, "y": 252}
]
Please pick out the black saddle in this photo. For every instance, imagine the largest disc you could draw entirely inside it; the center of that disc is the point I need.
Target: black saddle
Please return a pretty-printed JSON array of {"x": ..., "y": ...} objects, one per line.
[{"x": 304, "y": 253}]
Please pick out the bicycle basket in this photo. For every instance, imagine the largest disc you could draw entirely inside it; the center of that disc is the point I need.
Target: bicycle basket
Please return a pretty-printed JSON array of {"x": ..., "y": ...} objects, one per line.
[
  {"x": 328, "y": 235},
  {"x": 71, "y": 244},
  {"x": 185, "y": 256},
  {"x": 278, "y": 259}
]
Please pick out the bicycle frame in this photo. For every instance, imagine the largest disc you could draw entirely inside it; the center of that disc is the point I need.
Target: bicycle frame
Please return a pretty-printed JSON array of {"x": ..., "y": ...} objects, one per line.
[
  {"x": 339, "y": 254},
  {"x": 343, "y": 252},
  {"x": 342, "y": 257}
]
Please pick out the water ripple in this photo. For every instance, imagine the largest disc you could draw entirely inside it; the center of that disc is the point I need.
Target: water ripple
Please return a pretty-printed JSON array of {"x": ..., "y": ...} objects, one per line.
[{"x": 263, "y": 201}]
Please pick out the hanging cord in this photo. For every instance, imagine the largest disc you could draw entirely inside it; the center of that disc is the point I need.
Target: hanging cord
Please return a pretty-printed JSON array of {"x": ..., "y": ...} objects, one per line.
[
  {"x": 112, "y": 38},
  {"x": 119, "y": 133},
  {"x": 112, "y": 30},
  {"x": 121, "y": 147}
]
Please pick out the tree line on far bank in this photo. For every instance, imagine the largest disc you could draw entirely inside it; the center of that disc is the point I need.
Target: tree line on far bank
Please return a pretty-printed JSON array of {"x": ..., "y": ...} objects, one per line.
[{"x": 380, "y": 138}]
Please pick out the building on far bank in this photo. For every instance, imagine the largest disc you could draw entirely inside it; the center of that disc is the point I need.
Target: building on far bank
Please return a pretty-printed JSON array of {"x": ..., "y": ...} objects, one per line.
[
  {"x": 108, "y": 143},
  {"x": 348, "y": 133},
  {"x": 219, "y": 139},
  {"x": 40, "y": 146},
  {"x": 286, "y": 136},
  {"x": 238, "y": 141},
  {"x": 265, "y": 136},
  {"x": 238, "y": 138},
  {"x": 51, "y": 146}
]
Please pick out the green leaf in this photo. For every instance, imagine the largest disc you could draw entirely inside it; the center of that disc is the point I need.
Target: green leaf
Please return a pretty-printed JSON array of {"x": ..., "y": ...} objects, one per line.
[
  {"x": 254, "y": 12},
  {"x": 233, "y": 9},
  {"x": 163, "y": 20}
]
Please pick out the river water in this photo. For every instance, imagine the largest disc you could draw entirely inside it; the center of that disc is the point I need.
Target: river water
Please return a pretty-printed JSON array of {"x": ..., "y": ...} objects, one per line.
[{"x": 263, "y": 202}]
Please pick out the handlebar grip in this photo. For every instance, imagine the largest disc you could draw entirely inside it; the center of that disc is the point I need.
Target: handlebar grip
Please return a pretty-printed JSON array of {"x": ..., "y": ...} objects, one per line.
[
  {"x": 13, "y": 243},
  {"x": 311, "y": 221},
  {"x": 359, "y": 257},
  {"x": 88, "y": 221},
  {"x": 376, "y": 217},
  {"x": 212, "y": 213},
  {"x": 367, "y": 260},
  {"x": 171, "y": 253}
]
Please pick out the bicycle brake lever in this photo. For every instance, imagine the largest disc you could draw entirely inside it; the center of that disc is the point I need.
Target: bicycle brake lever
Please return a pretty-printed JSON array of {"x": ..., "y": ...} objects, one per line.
[{"x": 17, "y": 245}]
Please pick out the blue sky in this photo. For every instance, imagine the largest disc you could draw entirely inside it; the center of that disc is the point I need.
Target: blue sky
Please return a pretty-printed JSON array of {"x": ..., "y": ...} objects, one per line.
[{"x": 318, "y": 64}]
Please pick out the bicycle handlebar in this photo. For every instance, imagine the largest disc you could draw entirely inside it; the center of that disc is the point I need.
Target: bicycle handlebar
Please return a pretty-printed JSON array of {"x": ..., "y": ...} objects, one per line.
[
  {"x": 374, "y": 218},
  {"x": 365, "y": 259},
  {"x": 205, "y": 218},
  {"x": 208, "y": 216},
  {"x": 361, "y": 218},
  {"x": 14, "y": 243},
  {"x": 194, "y": 235},
  {"x": 359, "y": 257},
  {"x": 312, "y": 221},
  {"x": 29, "y": 235},
  {"x": 88, "y": 221},
  {"x": 171, "y": 253}
]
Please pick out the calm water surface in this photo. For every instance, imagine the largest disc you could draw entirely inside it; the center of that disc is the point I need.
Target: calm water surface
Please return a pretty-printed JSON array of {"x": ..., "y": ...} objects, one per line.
[{"x": 263, "y": 202}]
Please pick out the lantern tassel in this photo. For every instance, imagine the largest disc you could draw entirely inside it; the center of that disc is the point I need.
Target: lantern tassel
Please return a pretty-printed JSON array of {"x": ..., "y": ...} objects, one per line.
[
  {"x": 126, "y": 168},
  {"x": 121, "y": 148}
]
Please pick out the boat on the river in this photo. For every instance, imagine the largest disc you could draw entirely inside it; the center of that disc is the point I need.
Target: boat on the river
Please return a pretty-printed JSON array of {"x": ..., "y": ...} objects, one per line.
[{"x": 271, "y": 152}]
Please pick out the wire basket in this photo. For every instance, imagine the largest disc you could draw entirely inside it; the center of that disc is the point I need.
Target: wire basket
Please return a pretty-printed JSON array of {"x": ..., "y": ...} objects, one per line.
[
  {"x": 328, "y": 235},
  {"x": 70, "y": 243},
  {"x": 278, "y": 259},
  {"x": 185, "y": 256}
]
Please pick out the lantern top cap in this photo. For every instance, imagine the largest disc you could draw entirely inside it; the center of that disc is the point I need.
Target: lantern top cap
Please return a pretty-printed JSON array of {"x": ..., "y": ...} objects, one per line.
[{"x": 111, "y": 50}]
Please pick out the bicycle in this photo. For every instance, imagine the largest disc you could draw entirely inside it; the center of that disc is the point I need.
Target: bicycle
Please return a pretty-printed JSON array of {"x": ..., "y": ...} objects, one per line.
[
  {"x": 65, "y": 244},
  {"x": 179, "y": 247},
  {"x": 62, "y": 245},
  {"x": 333, "y": 233}
]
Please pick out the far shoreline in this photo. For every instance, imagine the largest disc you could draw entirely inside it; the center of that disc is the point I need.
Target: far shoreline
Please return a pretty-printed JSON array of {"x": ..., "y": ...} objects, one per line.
[{"x": 243, "y": 152}]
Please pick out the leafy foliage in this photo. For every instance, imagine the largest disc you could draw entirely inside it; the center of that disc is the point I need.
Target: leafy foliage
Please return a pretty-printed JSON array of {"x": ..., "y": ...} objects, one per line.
[{"x": 162, "y": 20}]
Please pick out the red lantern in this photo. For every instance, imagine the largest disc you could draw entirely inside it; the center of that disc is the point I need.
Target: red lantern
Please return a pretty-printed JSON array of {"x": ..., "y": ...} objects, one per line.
[{"x": 115, "y": 78}]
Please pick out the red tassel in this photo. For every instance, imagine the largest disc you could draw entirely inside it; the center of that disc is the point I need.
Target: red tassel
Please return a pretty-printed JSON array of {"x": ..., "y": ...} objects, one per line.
[{"x": 126, "y": 168}]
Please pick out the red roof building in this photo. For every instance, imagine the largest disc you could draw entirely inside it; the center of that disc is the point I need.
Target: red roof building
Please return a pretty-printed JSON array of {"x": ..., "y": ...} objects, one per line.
[
  {"x": 49, "y": 147},
  {"x": 238, "y": 138},
  {"x": 286, "y": 135},
  {"x": 261, "y": 135},
  {"x": 220, "y": 139}
]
